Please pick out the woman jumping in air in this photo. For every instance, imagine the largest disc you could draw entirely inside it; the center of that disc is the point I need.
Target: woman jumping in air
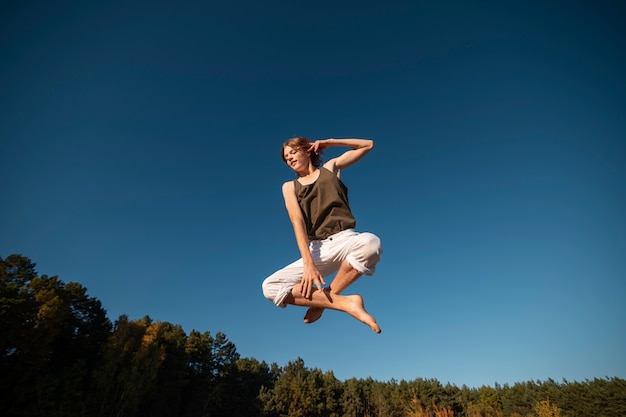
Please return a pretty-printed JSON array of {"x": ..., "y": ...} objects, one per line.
[{"x": 324, "y": 227}]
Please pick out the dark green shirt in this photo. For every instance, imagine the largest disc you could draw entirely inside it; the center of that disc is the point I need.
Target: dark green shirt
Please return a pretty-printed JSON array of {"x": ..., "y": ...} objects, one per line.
[{"x": 325, "y": 206}]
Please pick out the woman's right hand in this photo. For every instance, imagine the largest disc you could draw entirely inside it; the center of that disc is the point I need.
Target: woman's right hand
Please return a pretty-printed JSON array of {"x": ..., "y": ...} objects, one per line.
[
  {"x": 311, "y": 278},
  {"x": 320, "y": 145}
]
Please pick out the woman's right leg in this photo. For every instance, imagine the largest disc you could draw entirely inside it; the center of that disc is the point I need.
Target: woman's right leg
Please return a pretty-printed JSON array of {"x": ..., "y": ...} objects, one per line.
[{"x": 350, "y": 304}]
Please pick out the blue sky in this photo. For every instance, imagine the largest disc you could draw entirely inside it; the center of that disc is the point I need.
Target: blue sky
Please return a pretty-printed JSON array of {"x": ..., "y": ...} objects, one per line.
[{"x": 140, "y": 156}]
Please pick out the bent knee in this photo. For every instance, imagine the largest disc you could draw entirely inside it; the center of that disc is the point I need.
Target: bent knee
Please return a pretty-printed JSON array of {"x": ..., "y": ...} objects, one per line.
[
  {"x": 276, "y": 291},
  {"x": 366, "y": 253},
  {"x": 371, "y": 248},
  {"x": 269, "y": 291}
]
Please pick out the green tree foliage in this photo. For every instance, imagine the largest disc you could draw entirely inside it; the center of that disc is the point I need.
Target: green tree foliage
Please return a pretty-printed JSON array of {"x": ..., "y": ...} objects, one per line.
[
  {"x": 143, "y": 369},
  {"x": 245, "y": 382},
  {"x": 545, "y": 409},
  {"x": 489, "y": 404},
  {"x": 417, "y": 409},
  {"x": 353, "y": 398},
  {"x": 599, "y": 397},
  {"x": 518, "y": 399},
  {"x": 303, "y": 392},
  {"x": 60, "y": 356},
  {"x": 52, "y": 339},
  {"x": 210, "y": 369},
  {"x": 17, "y": 303},
  {"x": 164, "y": 397}
]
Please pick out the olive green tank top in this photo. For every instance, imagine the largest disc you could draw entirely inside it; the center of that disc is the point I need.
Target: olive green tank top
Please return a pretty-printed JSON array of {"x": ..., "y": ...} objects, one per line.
[{"x": 325, "y": 206}]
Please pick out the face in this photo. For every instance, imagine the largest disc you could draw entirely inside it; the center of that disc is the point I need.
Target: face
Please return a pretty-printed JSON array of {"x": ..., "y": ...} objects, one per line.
[{"x": 297, "y": 159}]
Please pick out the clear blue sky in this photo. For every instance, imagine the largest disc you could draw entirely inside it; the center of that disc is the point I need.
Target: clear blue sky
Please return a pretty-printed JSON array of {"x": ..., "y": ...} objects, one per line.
[{"x": 140, "y": 156}]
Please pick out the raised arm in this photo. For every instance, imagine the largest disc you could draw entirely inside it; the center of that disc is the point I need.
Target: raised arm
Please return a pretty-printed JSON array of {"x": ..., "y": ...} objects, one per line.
[{"x": 360, "y": 147}]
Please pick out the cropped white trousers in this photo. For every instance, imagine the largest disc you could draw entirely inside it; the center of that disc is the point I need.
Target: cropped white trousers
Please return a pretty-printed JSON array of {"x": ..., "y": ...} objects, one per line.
[{"x": 362, "y": 250}]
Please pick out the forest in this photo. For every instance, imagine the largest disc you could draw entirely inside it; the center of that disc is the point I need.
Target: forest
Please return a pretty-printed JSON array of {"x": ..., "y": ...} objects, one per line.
[{"x": 62, "y": 356}]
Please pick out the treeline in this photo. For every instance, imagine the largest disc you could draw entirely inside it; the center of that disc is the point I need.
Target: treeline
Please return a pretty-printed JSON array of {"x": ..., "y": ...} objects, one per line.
[{"x": 62, "y": 356}]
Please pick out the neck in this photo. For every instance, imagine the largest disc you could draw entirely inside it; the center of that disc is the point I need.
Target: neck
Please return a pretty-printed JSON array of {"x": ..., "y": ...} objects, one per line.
[{"x": 309, "y": 171}]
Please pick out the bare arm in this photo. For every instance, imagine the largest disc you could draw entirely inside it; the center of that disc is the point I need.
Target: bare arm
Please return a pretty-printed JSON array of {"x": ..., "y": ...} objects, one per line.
[
  {"x": 360, "y": 147},
  {"x": 311, "y": 275}
]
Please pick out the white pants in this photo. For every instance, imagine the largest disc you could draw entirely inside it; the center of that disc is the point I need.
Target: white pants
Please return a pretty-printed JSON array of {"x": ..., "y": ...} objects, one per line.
[{"x": 362, "y": 250}]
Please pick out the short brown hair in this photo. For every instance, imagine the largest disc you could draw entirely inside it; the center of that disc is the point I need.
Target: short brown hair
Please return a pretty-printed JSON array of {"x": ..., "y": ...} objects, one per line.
[{"x": 302, "y": 143}]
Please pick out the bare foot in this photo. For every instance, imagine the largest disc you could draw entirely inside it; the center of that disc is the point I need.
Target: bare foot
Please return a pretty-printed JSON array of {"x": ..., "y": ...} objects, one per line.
[
  {"x": 313, "y": 314},
  {"x": 357, "y": 310}
]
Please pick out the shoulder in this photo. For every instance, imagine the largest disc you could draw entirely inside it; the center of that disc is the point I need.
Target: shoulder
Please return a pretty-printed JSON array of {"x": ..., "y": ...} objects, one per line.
[
  {"x": 289, "y": 193},
  {"x": 288, "y": 186},
  {"x": 331, "y": 165}
]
